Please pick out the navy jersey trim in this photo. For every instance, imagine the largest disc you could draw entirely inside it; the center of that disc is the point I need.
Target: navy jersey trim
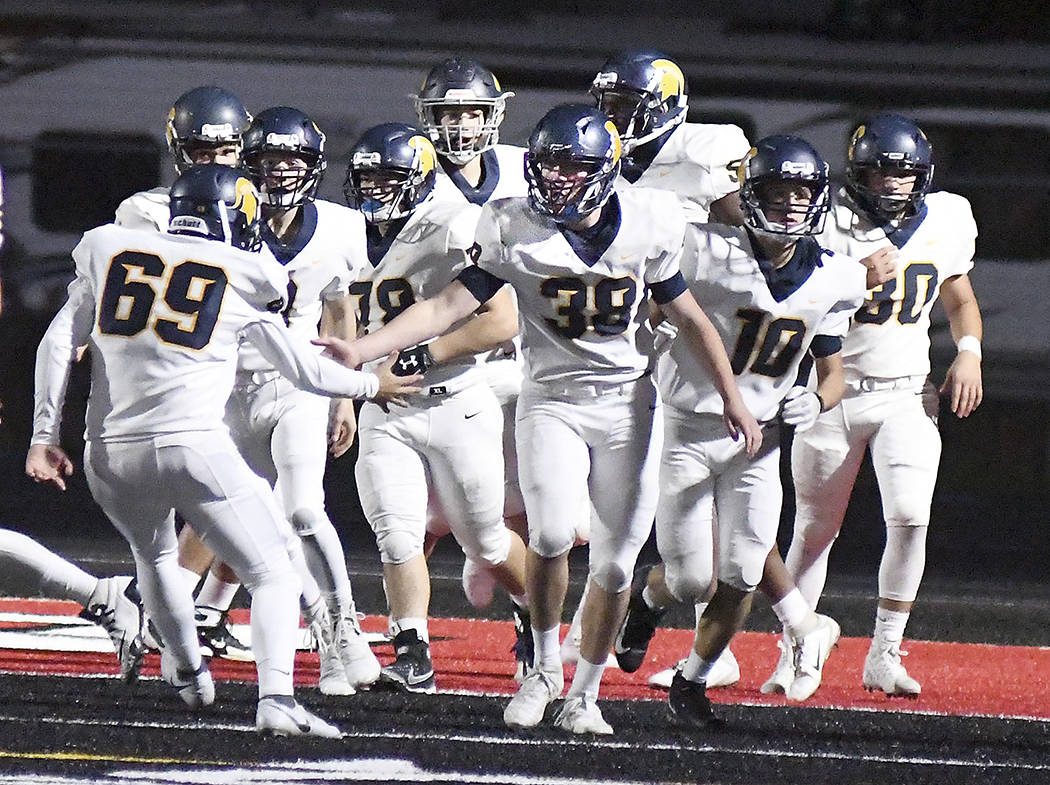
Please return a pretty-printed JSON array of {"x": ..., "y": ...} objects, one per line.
[
  {"x": 665, "y": 291},
  {"x": 486, "y": 185},
  {"x": 785, "y": 280},
  {"x": 286, "y": 251},
  {"x": 594, "y": 241},
  {"x": 481, "y": 284},
  {"x": 904, "y": 231},
  {"x": 378, "y": 244},
  {"x": 633, "y": 166}
]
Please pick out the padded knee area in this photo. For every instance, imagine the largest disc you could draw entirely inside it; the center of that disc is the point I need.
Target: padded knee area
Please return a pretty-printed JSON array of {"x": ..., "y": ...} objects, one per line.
[
  {"x": 306, "y": 521},
  {"x": 492, "y": 546},
  {"x": 398, "y": 546},
  {"x": 611, "y": 576},
  {"x": 549, "y": 545},
  {"x": 903, "y": 562},
  {"x": 688, "y": 587}
]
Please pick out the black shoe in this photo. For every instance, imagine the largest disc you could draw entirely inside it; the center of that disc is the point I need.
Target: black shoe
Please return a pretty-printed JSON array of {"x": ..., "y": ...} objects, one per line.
[
  {"x": 689, "y": 704},
  {"x": 411, "y": 670},
  {"x": 524, "y": 647},
  {"x": 638, "y": 628},
  {"x": 215, "y": 637}
]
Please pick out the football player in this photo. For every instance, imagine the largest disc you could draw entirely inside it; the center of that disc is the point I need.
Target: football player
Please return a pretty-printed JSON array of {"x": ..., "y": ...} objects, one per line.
[
  {"x": 579, "y": 256},
  {"x": 886, "y": 211},
  {"x": 280, "y": 429},
  {"x": 449, "y": 438},
  {"x": 163, "y": 315},
  {"x": 774, "y": 295},
  {"x": 645, "y": 94},
  {"x": 461, "y": 106},
  {"x": 204, "y": 125}
]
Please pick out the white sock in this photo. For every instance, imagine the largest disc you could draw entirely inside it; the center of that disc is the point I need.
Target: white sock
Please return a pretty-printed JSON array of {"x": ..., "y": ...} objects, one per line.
[
  {"x": 889, "y": 625},
  {"x": 697, "y": 669},
  {"x": 794, "y": 614},
  {"x": 190, "y": 577},
  {"x": 418, "y": 624},
  {"x": 548, "y": 649},
  {"x": 587, "y": 680},
  {"x": 217, "y": 593}
]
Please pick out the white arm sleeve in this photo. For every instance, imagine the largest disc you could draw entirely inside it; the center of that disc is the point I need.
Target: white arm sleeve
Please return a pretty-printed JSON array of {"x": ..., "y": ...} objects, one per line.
[
  {"x": 55, "y": 356},
  {"x": 307, "y": 369}
]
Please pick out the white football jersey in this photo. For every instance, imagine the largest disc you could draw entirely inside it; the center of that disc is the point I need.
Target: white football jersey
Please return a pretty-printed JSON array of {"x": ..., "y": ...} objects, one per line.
[
  {"x": 146, "y": 210},
  {"x": 698, "y": 163},
  {"x": 328, "y": 253},
  {"x": 164, "y": 316},
  {"x": 582, "y": 323},
  {"x": 419, "y": 261},
  {"x": 504, "y": 177},
  {"x": 890, "y": 336},
  {"x": 765, "y": 337}
]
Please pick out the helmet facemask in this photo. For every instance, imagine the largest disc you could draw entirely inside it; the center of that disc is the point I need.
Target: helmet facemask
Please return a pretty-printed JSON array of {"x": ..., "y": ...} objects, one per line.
[
  {"x": 456, "y": 140},
  {"x": 785, "y": 208},
  {"x": 888, "y": 206},
  {"x": 286, "y": 178},
  {"x": 568, "y": 189},
  {"x": 382, "y": 193}
]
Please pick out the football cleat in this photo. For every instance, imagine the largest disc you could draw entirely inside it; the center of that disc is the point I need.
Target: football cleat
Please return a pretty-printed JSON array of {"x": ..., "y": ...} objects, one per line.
[
  {"x": 689, "y": 704},
  {"x": 332, "y": 679},
  {"x": 579, "y": 715},
  {"x": 411, "y": 670},
  {"x": 479, "y": 584},
  {"x": 809, "y": 654},
  {"x": 883, "y": 670},
  {"x": 215, "y": 636},
  {"x": 638, "y": 628},
  {"x": 524, "y": 646},
  {"x": 359, "y": 663},
  {"x": 283, "y": 715},
  {"x": 725, "y": 672},
  {"x": 195, "y": 687},
  {"x": 784, "y": 673},
  {"x": 538, "y": 690},
  {"x": 115, "y": 605}
]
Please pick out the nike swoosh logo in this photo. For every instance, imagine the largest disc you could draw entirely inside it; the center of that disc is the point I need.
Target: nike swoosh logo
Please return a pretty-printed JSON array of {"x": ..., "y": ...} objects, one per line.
[{"x": 468, "y": 416}]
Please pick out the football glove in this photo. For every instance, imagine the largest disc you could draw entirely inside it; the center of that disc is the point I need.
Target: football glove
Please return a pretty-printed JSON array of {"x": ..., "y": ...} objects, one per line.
[
  {"x": 800, "y": 408},
  {"x": 413, "y": 360}
]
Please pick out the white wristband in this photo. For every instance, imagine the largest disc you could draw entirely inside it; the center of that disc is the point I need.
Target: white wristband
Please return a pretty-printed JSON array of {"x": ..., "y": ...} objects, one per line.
[{"x": 969, "y": 343}]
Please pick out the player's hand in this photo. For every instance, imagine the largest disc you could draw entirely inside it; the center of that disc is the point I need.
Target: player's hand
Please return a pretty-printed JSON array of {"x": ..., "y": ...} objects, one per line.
[
  {"x": 663, "y": 336},
  {"x": 339, "y": 350},
  {"x": 48, "y": 463},
  {"x": 800, "y": 408},
  {"x": 393, "y": 389},
  {"x": 342, "y": 426},
  {"x": 963, "y": 382},
  {"x": 739, "y": 421},
  {"x": 881, "y": 266}
]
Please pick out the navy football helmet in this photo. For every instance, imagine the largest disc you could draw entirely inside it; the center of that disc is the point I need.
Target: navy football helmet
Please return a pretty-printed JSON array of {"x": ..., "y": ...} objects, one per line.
[
  {"x": 282, "y": 129},
  {"x": 204, "y": 117},
  {"x": 571, "y": 162},
  {"x": 643, "y": 93},
  {"x": 888, "y": 142},
  {"x": 458, "y": 84},
  {"x": 392, "y": 169},
  {"x": 769, "y": 210},
  {"x": 217, "y": 202}
]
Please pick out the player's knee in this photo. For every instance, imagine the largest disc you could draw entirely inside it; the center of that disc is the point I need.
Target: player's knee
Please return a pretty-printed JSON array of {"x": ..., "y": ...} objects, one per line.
[
  {"x": 909, "y": 513},
  {"x": 549, "y": 544},
  {"x": 612, "y": 576},
  {"x": 689, "y": 584},
  {"x": 307, "y": 521},
  {"x": 492, "y": 546},
  {"x": 397, "y": 546}
]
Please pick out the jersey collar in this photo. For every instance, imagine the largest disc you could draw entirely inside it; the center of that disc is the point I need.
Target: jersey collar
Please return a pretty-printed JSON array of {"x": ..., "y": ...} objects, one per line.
[
  {"x": 285, "y": 251},
  {"x": 487, "y": 184},
  {"x": 642, "y": 157},
  {"x": 784, "y": 281},
  {"x": 591, "y": 243}
]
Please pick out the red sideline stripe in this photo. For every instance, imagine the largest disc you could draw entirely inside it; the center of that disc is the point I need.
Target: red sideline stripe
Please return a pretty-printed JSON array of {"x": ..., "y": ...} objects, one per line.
[{"x": 474, "y": 656}]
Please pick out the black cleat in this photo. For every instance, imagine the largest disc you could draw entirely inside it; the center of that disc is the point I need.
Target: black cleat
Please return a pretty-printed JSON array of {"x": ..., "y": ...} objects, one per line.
[
  {"x": 689, "y": 704},
  {"x": 524, "y": 647},
  {"x": 638, "y": 628},
  {"x": 216, "y": 638},
  {"x": 411, "y": 671}
]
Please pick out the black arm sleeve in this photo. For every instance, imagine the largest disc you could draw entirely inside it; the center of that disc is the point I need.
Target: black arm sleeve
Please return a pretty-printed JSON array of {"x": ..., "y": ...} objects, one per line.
[
  {"x": 665, "y": 291},
  {"x": 825, "y": 345},
  {"x": 480, "y": 283}
]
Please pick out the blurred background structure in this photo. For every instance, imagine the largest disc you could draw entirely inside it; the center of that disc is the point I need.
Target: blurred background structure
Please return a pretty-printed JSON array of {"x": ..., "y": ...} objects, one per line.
[{"x": 85, "y": 89}]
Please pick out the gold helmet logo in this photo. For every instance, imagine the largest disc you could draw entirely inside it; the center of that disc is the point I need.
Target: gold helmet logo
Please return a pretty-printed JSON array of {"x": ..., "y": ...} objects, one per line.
[
  {"x": 741, "y": 172},
  {"x": 247, "y": 199},
  {"x": 672, "y": 80},
  {"x": 615, "y": 136},
  {"x": 854, "y": 139},
  {"x": 425, "y": 153}
]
